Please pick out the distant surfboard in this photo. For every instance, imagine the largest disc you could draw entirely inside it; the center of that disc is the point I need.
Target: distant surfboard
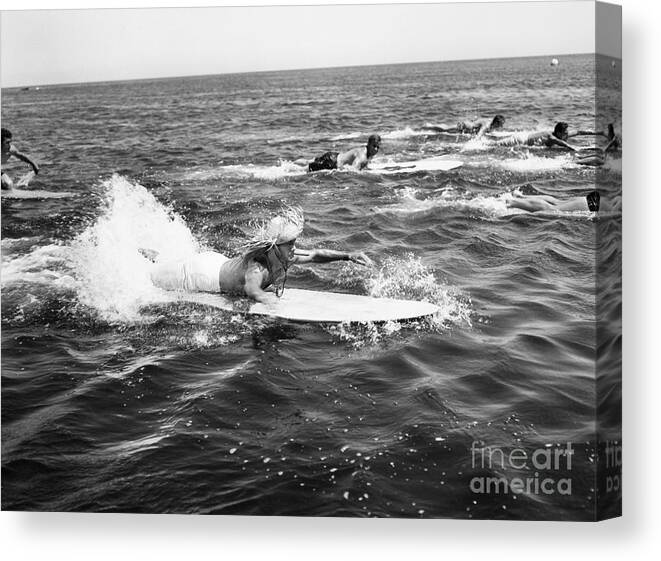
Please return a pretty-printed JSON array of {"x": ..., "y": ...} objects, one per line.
[
  {"x": 34, "y": 194},
  {"x": 311, "y": 306},
  {"x": 428, "y": 164}
]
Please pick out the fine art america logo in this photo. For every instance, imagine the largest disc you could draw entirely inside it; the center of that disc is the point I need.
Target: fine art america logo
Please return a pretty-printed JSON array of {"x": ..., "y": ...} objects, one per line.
[{"x": 543, "y": 464}]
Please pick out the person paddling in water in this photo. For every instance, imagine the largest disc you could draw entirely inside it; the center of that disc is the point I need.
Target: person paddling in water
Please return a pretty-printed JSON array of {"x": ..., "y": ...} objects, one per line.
[
  {"x": 595, "y": 156},
  {"x": 356, "y": 158},
  {"x": 550, "y": 139},
  {"x": 477, "y": 127},
  {"x": 8, "y": 151},
  {"x": 263, "y": 264},
  {"x": 536, "y": 203}
]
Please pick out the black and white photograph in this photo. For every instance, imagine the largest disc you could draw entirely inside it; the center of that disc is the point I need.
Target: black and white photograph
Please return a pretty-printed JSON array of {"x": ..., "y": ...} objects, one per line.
[{"x": 351, "y": 261}]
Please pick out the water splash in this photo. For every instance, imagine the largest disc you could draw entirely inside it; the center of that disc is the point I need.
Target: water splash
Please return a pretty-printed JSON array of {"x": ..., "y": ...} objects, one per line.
[
  {"x": 406, "y": 132},
  {"x": 476, "y": 145},
  {"x": 112, "y": 274},
  {"x": 285, "y": 168},
  {"x": 24, "y": 181},
  {"x": 407, "y": 278},
  {"x": 478, "y": 206}
]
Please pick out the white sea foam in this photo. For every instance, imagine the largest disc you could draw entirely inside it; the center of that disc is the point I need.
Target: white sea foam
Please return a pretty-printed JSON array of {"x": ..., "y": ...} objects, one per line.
[
  {"x": 348, "y": 136},
  {"x": 398, "y": 134},
  {"x": 285, "y": 168},
  {"x": 476, "y": 145},
  {"x": 103, "y": 265},
  {"x": 113, "y": 276},
  {"x": 24, "y": 181},
  {"x": 406, "y": 132},
  {"x": 530, "y": 162},
  {"x": 483, "y": 206},
  {"x": 407, "y": 278},
  {"x": 44, "y": 265}
]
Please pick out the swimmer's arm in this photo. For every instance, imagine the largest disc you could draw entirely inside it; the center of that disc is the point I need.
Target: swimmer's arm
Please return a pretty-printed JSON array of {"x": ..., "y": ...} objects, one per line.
[
  {"x": 24, "y": 158},
  {"x": 254, "y": 277},
  {"x": 351, "y": 158},
  {"x": 554, "y": 140},
  {"x": 483, "y": 126},
  {"x": 328, "y": 255},
  {"x": 586, "y": 133}
]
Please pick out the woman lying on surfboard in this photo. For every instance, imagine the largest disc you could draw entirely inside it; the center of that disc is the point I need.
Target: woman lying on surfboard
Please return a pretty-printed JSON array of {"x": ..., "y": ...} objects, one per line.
[{"x": 264, "y": 263}]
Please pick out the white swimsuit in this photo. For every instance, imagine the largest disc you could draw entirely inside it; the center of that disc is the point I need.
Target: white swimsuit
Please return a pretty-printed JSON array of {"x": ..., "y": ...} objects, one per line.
[{"x": 199, "y": 273}]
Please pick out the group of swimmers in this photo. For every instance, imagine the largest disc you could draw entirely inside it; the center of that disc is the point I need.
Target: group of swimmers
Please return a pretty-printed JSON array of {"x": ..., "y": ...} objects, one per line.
[
  {"x": 358, "y": 158},
  {"x": 558, "y": 137},
  {"x": 267, "y": 257}
]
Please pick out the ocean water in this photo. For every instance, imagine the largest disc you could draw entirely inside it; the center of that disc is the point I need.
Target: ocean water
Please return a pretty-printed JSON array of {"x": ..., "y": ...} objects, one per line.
[{"x": 115, "y": 400}]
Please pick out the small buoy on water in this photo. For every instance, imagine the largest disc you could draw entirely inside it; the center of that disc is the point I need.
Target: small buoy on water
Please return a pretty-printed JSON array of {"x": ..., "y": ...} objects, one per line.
[
  {"x": 613, "y": 64},
  {"x": 554, "y": 62}
]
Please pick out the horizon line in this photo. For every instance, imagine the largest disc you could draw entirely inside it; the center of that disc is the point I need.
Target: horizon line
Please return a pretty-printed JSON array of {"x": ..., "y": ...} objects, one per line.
[{"x": 171, "y": 77}]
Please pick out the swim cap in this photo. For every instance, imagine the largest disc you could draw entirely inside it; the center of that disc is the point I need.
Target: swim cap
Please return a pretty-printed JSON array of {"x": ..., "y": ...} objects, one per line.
[
  {"x": 285, "y": 227},
  {"x": 6, "y": 133}
]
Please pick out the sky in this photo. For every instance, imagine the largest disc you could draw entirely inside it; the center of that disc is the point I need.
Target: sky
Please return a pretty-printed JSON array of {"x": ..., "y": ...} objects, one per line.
[{"x": 66, "y": 46}]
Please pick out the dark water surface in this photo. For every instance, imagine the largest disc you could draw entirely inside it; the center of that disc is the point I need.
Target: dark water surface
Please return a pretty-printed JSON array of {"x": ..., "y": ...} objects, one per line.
[{"x": 112, "y": 401}]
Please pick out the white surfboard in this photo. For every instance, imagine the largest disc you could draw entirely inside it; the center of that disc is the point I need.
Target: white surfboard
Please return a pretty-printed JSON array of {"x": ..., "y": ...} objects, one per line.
[
  {"x": 34, "y": 194},
  {"x": 312, "y": 306},
  {"x": 413, "y": 166}
]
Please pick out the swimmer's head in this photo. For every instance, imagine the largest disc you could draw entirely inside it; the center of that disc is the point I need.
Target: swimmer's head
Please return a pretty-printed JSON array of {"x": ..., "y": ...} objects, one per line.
[
  {"x": 285, "y": 227},
  {"x": 285, "y": 252},
  {"x": 6, "y": 135},
  {"x": 373, "y": 145},
  {"x": 561, "y": 130},
  {"x": 280, "y": 230},
  {"x": 497, "y": 123}
]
